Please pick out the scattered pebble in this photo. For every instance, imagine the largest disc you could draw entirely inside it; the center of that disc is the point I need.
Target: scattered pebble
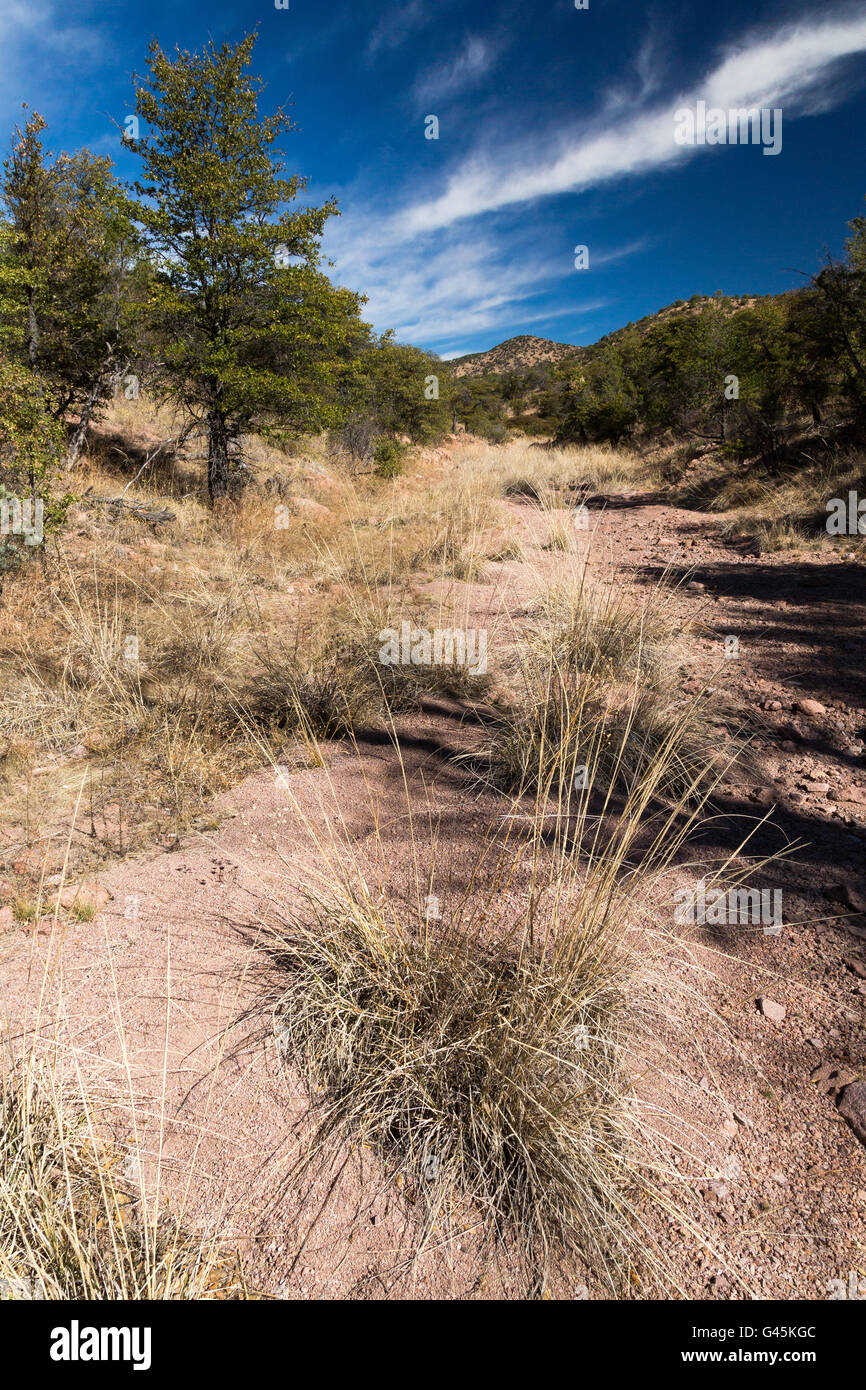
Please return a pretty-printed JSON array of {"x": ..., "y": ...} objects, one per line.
[{"x": 771, "y": 1009}]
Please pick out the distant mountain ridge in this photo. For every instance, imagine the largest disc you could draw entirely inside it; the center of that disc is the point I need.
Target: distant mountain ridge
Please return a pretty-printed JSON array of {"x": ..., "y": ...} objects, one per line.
[
  {"x": 522, "y": 351},
  {"x": 516, "y": 354}
]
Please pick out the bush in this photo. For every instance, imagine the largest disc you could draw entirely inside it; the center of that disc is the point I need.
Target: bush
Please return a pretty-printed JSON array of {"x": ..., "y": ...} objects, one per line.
[
  {"x": 10, "y": 557},
  {"x": 594, "y": 701},
  {"x": 388, "y": 457}
]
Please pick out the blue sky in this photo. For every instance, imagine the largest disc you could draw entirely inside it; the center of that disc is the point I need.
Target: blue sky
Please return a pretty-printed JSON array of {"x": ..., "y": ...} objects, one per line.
[{"x": 556, "y": 128}]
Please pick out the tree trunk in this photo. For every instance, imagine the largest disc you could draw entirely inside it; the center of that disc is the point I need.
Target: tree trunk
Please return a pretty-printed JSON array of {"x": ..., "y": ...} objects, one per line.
[
  {"x": 32, "y": 331},
  {"x": 217, "y": 457},
  {"x": 76, "y": 444}
]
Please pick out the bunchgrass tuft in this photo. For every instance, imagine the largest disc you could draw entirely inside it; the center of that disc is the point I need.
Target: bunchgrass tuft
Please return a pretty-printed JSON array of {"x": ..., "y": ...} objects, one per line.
[{"x": 72, "y": 1226}]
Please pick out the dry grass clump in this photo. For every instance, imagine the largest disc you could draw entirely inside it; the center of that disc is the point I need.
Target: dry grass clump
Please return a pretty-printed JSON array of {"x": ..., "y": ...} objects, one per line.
[
  {"x": 337, "y": 678},
  {"x": 142, "y": 688},
  {"x": 319, "y": 691},
  {"x": 71, "y": 1226},
  {"x": 560, "y": 534},
  {"x": 482, "y": 1052},
  {"x": 784, "y": 507},
  {"x": 457, "y": 549},
  {"x": 484, "y": 1067},
  {"x": 536, "y": 471},
  {"x": 600, "y": 630},
  {"x": 593, "y": 705}
]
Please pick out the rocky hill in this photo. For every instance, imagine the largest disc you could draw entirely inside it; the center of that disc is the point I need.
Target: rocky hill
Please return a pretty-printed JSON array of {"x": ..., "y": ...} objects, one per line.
[
  {"x": 516, "y": 354},
  {"x": 513, "y": 355}
]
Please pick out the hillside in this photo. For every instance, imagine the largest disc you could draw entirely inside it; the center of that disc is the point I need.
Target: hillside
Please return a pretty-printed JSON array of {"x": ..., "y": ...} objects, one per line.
[
  {"x": 513, "y": 355},
  {"x": 517, "y": 354}
]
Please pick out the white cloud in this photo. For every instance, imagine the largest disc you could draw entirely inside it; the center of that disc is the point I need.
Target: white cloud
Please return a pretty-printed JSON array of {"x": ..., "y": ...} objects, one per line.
[
  {"x": 397, "y": 25},
  {"x": 440, "y": 289},
  {"x": 474, "y": 60},
  {"x": 430, "y": 280},
  {"x": 783, "y": 69},
  {"x": 39, "y": 46}
]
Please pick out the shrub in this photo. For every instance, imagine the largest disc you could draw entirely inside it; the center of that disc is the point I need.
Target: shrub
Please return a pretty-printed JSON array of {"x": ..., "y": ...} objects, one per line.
[{"x": 388, "y": 456}]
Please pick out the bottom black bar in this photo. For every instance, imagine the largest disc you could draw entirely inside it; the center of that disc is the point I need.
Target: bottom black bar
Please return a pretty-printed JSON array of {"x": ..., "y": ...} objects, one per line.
[{"x": 84, "y": 1340}]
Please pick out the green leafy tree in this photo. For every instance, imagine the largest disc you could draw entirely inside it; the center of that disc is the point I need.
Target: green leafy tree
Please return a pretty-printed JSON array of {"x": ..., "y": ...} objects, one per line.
[
  {"x": 66, "y": 252},
  {"x": 249, "y": 330},
  {"x": 31, "y": 444},
  {"x": 834, "y": 318},
  {"x": 395, "y": 389},
  {"x": 601, "y": 404},
  {"x": 479, "y": 405}
]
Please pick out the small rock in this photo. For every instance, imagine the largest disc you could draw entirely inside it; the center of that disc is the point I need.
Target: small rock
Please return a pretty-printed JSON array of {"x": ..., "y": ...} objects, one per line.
[
  {"x": 831, "y": 1077},
  {"x": 811, "y": 707},
  {"x": 770, "y": 1009},
  {"x": 764, "y": 796},
  {"x": 308, "y": 507},
  {"x": 729, "y": 1128},
  {"x": 857, "y": 966},
  {"x": 856, "y": 795},
  {"x": 743, "y": 1120},
  {"x": 7, "y": 918},
  {"x": 854, "y": 898},
  {"x": 84, "y": 893},
  {"x": 817, "y": 1043},
  {"x": 44, "y": 927},
  {"x": 852, "y": 1107}
]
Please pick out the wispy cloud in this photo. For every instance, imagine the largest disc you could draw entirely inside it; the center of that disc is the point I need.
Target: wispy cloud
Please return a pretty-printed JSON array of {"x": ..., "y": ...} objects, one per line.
[
  {"x": 442, "y": 289},
  {"x": 466, "y": 69},
  {"x": 397, "y": 25},
  {"x": 38, "y": 46},
  {"x": 782, "y": 69}
]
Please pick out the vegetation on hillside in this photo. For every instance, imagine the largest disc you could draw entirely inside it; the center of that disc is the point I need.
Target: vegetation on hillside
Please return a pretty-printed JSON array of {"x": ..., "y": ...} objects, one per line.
[{"x": 736, "y": 373}]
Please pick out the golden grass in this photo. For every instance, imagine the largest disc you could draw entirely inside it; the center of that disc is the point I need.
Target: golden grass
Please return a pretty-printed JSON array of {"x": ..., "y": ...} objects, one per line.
[
  {"x": 785, "y": 508},
  {"x": 72, "y": 1226},
  {"x": 592, "y": 701}
]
